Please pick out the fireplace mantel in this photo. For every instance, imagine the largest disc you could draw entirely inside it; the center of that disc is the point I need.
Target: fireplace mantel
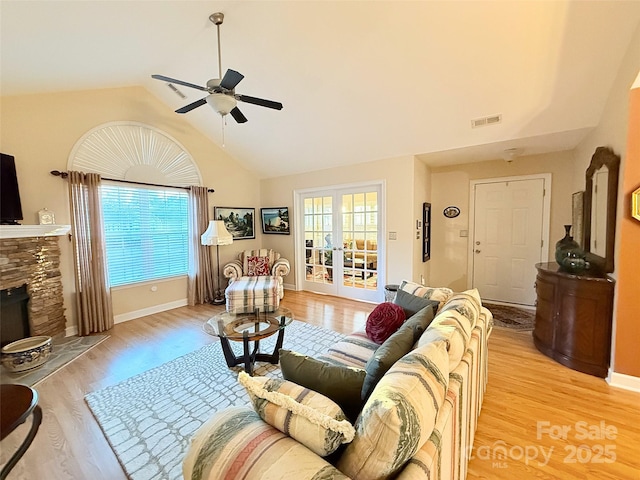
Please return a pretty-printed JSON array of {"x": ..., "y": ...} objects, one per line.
[{"x": 25, "y": 231}]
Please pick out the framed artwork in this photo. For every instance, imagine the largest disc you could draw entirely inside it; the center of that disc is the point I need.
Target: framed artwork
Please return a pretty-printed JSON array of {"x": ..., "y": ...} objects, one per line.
[
  {"x": 577, "y": 214},
  {"x": 239, "y": 221},
  {"x": 426, "y": 231},
  {"x": 275, "y": 220},
  {"x": 635, "y": 204}
]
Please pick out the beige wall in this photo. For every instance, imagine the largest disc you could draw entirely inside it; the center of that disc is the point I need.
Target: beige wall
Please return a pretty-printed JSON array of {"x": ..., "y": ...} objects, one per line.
[
  {"x": 397, "y": 175},
  {"x": 41, "y": 130},
  {"x": 613, "y": 131},
  {"x": 450, "y": 186},
  {"x": 422, "y": 193}
]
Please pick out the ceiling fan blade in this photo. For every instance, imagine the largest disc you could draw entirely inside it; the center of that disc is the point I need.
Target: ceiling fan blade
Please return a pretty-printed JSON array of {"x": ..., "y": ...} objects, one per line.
[
  {"x": 237, "y": 115},
  {"x": 259, "y": 101},
  {"x": 179, "y": 82},
  {"x": 231, "y": 79},
  {"x": 191, "y": 106}
]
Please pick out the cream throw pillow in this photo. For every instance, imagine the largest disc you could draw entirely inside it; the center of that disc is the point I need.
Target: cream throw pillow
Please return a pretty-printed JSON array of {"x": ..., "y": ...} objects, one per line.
[
  {"x": 306, "y": 416},
  {"x": 400, "y": 414}
]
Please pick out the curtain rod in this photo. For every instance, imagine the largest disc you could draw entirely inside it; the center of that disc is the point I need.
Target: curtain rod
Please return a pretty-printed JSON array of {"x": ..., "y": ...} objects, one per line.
[{"x": 60, "y": 174}]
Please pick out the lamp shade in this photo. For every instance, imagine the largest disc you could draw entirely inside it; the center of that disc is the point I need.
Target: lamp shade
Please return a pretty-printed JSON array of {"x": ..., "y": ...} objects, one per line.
[{"x": 216, "y": 234}]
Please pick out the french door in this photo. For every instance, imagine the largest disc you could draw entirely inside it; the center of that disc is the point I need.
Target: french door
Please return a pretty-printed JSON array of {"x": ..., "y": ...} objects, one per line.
[{"x": 340, "y": 252}]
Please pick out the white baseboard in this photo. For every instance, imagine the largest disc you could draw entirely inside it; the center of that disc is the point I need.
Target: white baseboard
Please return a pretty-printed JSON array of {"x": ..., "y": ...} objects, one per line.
[
  {"x": 288, "y": 286},
  {"x": 620, "y": 380},
  {"x": 125, "y": 317}
]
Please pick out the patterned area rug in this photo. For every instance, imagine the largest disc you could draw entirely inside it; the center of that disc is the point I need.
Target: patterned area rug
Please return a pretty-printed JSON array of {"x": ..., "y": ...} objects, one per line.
[
  {"x": 512, "y": 317},
  {"x": 149, "y": 419},
  {"x": 65, "y": 351}
]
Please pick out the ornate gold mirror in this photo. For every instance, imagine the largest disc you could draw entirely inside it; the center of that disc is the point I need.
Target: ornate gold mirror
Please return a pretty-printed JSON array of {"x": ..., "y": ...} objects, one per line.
[{"x": 600, "y": 201}]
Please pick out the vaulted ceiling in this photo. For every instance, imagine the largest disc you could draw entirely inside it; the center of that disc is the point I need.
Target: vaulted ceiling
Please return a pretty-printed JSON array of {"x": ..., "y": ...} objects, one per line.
[{"x": 359, "y": 80}]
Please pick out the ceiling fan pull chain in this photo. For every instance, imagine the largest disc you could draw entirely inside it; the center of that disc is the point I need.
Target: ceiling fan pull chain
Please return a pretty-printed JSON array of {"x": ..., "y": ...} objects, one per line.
[{"x": 223, "y": 124}]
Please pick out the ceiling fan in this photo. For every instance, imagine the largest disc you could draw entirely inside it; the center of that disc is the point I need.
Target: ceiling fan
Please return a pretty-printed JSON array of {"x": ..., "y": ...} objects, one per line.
[{"x": 222, "y": 96}]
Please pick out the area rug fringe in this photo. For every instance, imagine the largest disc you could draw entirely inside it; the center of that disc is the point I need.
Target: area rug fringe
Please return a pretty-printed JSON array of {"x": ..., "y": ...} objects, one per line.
[{"x": 148, "y": 419}]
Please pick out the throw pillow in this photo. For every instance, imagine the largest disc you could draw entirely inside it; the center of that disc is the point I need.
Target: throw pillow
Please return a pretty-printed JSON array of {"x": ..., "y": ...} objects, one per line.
[
  {"x": 341, "y": 384},
  {"x": 306, "y": 416},
  {"x": 384, "y": 320},
  {"x": 394, "y": 348},
  {"x": 441, "y": 294},
  {"x": 400, "y": 415},
  {"x": 412, "y": 304},
  {"x": 257, "y": 266}
]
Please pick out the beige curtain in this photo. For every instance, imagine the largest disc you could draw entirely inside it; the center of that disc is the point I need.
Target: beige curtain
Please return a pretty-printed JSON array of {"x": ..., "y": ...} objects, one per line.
[
  {"x": 200, "y": 286},
  {"x": 93, "y": 298}
]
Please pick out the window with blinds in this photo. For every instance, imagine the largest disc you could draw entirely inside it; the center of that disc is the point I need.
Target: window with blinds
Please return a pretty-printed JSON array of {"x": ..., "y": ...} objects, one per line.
[{"x": 146, "y": 233}]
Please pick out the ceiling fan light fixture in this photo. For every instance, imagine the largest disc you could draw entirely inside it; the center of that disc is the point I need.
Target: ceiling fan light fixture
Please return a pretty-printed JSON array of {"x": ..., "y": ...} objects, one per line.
[{"x": 221, "y": 103}]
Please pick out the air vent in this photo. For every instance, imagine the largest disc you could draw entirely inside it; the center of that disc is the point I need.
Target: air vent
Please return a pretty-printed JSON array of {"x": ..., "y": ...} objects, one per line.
[{"x": 485, "y": 121}]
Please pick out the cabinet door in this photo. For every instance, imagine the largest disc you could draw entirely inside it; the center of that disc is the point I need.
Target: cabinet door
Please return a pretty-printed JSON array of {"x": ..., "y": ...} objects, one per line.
[
  {"x": 583, "y": 333},
  {"x": 545, "y": 311}
]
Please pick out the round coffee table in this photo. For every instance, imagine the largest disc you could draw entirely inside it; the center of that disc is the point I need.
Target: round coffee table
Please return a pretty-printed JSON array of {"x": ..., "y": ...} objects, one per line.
[{"x": 249, "y": 324}]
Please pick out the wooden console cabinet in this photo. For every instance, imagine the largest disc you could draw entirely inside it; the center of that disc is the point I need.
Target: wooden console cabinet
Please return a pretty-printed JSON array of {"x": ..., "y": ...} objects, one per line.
[{"x": 573, "y": 318}]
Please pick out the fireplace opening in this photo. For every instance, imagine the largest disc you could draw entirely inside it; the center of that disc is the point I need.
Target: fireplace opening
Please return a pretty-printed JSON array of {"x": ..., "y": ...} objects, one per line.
[{"x": 14, "y": 315}]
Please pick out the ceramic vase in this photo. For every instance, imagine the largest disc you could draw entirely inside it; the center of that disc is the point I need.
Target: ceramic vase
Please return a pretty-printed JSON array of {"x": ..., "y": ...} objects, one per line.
[{"x": 565, "y": 244}]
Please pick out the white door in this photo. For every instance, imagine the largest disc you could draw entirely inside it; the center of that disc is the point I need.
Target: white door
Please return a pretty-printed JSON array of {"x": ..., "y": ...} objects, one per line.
[
  {"x": 507, "y": 239},
  {"x": 341, "y": 242}
]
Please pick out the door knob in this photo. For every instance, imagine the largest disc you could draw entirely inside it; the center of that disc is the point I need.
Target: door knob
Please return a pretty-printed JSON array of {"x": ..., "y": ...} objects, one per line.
[
  {"x": 477, "y": 243},
  {"x": 477, "y": 251}
]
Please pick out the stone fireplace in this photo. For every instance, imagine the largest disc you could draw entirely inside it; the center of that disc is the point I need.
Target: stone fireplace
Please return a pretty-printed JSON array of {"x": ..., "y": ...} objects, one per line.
[{"x": 34, "y": 261}]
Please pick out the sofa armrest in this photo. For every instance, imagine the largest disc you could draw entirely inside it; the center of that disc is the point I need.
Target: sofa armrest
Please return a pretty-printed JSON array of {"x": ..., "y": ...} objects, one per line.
[
  {"x": 233, "y": 270},
  {"x": 237, "y": 443},
  {"x": 281, "y": 268}
]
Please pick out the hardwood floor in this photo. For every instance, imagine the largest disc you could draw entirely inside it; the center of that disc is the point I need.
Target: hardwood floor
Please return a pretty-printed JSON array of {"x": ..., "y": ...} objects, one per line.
[{"x": 525, "y": 388}]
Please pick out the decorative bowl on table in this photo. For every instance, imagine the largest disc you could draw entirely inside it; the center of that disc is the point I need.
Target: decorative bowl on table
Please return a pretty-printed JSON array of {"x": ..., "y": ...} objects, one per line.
[{"x": 26, "y": 354}]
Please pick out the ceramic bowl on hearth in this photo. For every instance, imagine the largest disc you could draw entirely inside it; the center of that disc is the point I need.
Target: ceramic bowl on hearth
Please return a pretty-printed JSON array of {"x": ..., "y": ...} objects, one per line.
[{"x": 26, "y": 354}]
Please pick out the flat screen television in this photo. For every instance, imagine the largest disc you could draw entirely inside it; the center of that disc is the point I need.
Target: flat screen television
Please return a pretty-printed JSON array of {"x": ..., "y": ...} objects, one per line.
[{"x": 10, "y": 206}]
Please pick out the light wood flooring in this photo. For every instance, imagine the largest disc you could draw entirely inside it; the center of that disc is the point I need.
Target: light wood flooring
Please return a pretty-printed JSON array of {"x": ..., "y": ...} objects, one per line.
[{"x": 525, "y": 388}]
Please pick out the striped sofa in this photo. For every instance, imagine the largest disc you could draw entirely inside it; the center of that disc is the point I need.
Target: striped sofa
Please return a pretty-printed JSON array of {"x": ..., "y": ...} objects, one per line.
[{"x": 418, "y": 423}]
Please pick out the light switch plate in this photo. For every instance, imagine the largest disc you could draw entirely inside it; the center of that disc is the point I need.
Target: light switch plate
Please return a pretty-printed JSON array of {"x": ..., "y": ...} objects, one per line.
[
  {"x": 393, "y": 235},
  {"x": 464, "y": 233}
]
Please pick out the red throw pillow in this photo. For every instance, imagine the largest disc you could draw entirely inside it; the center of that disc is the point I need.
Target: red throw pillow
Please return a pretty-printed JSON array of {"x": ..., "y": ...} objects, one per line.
[
  {"x": 385, "y": 319},
  {"x": 257, "y": 266}
]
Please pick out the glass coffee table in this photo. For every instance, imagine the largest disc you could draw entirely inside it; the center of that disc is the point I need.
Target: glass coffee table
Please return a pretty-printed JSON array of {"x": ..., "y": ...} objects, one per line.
[{"x": 246, "y": 325}]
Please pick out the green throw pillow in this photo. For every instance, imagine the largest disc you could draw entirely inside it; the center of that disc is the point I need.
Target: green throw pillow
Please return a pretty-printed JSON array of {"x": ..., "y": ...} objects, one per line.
[
  {"x": 394, "y": 348},
  {"x": 341, "y": 384},
  {"x": 412, "y": 304}
]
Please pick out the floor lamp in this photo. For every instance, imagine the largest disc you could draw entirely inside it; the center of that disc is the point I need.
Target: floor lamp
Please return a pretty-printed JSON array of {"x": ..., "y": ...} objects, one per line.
[{"x": 217, "y": 234}]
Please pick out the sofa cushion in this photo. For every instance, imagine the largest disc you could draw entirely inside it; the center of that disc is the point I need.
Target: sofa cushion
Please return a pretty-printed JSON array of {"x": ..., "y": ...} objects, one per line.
[
  {"x": 441, "y": 294},
  {"x": 461, "y": 311},
  {"x": 236, "y": 443},
  {"x": 400, "y": 415},
  {"x": 383, "y": 321},
  {"x": 306, "y": 416},
  {"x": 394, "y": 348},
  {"x": 352, "y": 351},
  {"x": 451, "y": 335},
  {"x": 341, "y": 384},
  {"x": 412, "y": 304}
]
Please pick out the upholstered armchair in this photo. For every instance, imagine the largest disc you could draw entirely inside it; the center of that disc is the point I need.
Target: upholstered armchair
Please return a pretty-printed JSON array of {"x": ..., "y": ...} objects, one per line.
[{"x": 256, "y": 278}]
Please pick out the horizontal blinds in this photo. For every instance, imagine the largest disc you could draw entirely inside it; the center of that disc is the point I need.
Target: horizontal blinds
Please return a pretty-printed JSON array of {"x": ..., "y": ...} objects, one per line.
[{"x": 146, "y": 233}]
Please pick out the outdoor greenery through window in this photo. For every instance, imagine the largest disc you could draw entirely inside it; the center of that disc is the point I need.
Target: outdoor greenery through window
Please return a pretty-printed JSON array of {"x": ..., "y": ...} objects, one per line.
[{"x": 146, "y": 233}]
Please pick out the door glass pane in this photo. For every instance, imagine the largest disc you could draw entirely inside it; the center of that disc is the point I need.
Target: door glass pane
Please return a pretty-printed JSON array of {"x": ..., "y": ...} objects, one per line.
[
  {"x": 318, "y": 225},
  {"x": 359, "y": 240}
]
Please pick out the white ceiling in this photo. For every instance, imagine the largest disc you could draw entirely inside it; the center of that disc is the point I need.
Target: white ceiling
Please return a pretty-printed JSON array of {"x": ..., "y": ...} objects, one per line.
[{"x": 359, "y": 80}]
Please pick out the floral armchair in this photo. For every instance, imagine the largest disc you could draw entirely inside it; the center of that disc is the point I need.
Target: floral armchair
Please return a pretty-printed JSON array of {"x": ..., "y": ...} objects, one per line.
[{"x": 261, "y": 262}]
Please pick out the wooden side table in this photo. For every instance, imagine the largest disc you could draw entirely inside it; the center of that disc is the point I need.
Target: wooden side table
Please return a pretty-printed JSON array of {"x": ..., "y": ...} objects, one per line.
[{"x": 17, "y": 402}]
